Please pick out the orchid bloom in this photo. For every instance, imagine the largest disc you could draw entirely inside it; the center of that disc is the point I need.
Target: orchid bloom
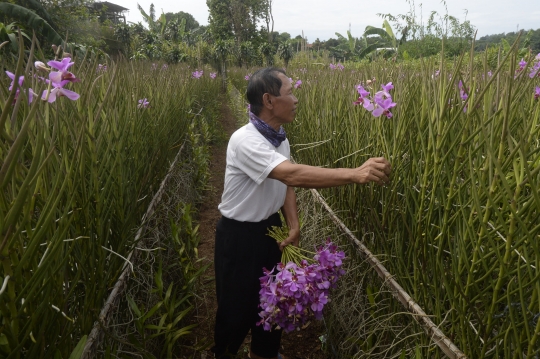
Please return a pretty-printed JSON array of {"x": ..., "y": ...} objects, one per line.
[
  {"x": 462, "y": 92},
  {"x": 386, "y": 88},
  {"x": 102, "y": 68},
  {"x": 20, "y": 81},
  {"x": 522, "y": 64},
  {"x": 63, "y": 74},
  {"x": 363, "y": 98},
  {"x": 535, "y": 70},
  {"x": 340, "y": 66},
  {"x": 143, "y": 103},
  {"x": 213, "y": 75},
  {"x": 383, "y": 107},
  {"x": 490, "y": 73},
  {"x": 248, "y": 76},
  {"x": 332, "y": 67},
  {"x": 298, "y": 84},
  {"x": 537, "y": 93},
  {"x": 58, "y": 91},
  {"x": 197, "y": 74}
]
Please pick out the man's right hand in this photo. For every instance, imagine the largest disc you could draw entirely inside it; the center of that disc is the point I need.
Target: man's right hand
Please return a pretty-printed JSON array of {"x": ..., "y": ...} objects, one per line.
[{"x": 376, "y": 169}]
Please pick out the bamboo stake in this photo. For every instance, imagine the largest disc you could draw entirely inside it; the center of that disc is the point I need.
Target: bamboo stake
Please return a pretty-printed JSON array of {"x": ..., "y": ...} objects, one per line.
[
  {"x": 441, "y": 340},
  {"x": 95, "y": 335}
]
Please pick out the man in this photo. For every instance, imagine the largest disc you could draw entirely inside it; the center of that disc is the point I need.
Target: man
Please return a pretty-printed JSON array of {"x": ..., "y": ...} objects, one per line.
[{"x": 259, "y": 181}]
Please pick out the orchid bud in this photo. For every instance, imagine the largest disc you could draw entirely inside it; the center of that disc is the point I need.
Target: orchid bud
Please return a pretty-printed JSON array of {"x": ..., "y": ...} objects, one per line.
[
  {"x": 66, "y": 54},
  {"x": 55, "y": 48},
  {"x": 41, "y": 66}
]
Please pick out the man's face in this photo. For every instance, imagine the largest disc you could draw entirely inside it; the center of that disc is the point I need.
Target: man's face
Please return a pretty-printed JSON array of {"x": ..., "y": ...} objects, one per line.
[{"x": 285, "y": 105}]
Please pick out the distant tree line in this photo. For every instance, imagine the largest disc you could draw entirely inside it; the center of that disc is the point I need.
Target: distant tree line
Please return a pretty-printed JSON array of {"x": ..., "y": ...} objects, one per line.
[{"x": 241, "y": 33}]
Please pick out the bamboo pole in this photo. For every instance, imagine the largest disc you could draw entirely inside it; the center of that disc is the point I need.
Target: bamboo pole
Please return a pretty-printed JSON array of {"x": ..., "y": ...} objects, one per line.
[
  {"x": 95, "y": 335},
  {"x": 441, "y": 340}
]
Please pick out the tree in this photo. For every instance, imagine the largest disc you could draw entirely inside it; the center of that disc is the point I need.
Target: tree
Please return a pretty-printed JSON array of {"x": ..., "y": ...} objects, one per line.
[
  {"x": 285, "y": 51},
  {"x": 236, "y": 19},
  {"x": 190, "y": 22},
  {"x": 219, "y": 21}
]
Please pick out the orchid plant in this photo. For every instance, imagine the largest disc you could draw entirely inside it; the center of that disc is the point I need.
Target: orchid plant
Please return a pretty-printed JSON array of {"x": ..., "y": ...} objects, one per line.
[
  {"x": 197, "y": 74},
  {"x": 380, "y": 104}
]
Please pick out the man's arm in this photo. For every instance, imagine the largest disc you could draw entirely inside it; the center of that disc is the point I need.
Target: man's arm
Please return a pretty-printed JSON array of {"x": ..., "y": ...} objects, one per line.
[
  {"x": 295, "y": 175},
  {"x": 290, "y": 212}
]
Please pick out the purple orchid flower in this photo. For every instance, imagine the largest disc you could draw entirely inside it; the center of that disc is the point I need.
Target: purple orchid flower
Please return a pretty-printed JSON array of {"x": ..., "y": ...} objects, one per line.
[
  {"x": 386, "y": 89},
  {"x": 462, "y": 91},
  {"x": 535, "y": 70},
  {"x": 63, "y": 74},
  {"x": 537, "y": 93},
  {"x": 247, "y": 77},
  {"x": 340, "y": 66},
  {"x": 522, "y": 64},
  {"x": 59, "y": 91},
  {"x": 20, "y": 82},
  {"x": 383, "y": 107},
  {"x": 363, "y": 98},
  {"x": 298, "y": 84},
  {"x": 213, "y": 75},
  {"x": 490, "y": 74},
  {"x": 102, "y": 68},
  {"x": 332, "y": 67},
  {"x": 143, "y": 103},
  {"x": 197, "y": 74}
]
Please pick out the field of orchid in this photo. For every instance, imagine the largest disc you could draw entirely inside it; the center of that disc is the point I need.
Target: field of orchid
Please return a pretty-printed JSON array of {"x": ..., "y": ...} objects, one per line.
[
  {"x": 458, "y": 225},
  {"x": 85, "y": 143}
]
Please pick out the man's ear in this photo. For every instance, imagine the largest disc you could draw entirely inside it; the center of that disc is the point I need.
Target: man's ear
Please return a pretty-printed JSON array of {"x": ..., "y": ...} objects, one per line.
[{"x": 267, "y": 101}]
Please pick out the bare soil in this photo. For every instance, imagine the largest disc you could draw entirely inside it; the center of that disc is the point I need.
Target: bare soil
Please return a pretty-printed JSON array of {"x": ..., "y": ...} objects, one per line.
[{"x": 304, "y": 344}]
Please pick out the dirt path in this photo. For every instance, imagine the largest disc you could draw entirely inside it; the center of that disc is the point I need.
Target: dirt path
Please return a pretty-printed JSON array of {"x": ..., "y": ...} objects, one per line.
[{"x": 297, "y": 345}]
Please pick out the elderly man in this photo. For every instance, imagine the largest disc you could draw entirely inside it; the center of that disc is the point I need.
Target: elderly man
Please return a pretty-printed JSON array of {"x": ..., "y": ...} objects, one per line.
[{"x": 259, "y": 181}]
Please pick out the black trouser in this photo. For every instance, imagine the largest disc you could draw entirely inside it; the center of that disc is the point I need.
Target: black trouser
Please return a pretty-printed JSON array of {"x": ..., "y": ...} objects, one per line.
[{"x": 242, "y": 250}]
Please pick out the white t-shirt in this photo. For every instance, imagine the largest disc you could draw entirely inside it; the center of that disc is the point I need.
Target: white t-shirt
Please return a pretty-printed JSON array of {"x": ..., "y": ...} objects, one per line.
[{"x": 249, "y": 196}]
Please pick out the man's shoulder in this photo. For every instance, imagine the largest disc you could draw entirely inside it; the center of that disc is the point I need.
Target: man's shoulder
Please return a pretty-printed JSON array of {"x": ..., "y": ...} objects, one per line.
[{"x": 245, "y": 133}]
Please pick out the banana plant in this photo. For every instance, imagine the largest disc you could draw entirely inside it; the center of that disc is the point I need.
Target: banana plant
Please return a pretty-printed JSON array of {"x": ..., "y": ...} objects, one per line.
[
  {"x": 9, "y": 33},
  {"x": 386, "y": 39},
  {"x": 350, "y": 41},
  {"x": 31, "y": 21}
]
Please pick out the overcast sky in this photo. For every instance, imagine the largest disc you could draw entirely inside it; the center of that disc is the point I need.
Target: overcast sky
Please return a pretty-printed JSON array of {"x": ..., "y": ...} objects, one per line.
[{"x": 322, "y": 18}]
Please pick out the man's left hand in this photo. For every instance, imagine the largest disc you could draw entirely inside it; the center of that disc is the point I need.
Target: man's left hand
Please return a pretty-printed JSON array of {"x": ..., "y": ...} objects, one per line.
[{"x": 293, "y": 238}]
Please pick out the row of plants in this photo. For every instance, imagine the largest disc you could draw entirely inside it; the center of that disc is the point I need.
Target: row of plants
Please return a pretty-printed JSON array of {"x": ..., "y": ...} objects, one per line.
[
  {"x": 83, "y": 146},
  {"x": 457, "y": 225}
]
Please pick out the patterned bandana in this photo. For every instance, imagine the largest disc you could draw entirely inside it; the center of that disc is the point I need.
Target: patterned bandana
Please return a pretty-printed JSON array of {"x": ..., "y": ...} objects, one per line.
[{"x": 267, "y": 131}]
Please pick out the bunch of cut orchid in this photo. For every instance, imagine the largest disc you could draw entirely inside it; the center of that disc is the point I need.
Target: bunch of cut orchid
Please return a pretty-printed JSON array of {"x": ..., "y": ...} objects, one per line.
[
  {"x": 380, "y": 104},
  {"x": 296, "y": 292}
]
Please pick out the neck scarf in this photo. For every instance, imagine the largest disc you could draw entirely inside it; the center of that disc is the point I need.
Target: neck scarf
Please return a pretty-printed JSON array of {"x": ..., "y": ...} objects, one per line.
[{"x": 267, "y": 131}]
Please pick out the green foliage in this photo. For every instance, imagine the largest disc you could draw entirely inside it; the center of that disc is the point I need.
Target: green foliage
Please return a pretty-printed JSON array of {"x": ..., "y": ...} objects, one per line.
[
  {"x": 9, "y": 33},
  {"x": 188, "y": 19},
  {"x": 31, "y": 20},
  {"x": 285, "y": 52},
  {"x": 75, "y": 179},
  {"x": 458, "y": 223}
]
